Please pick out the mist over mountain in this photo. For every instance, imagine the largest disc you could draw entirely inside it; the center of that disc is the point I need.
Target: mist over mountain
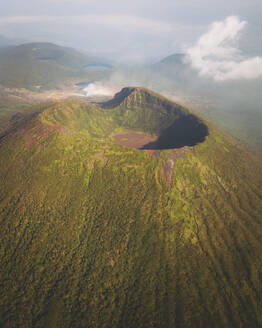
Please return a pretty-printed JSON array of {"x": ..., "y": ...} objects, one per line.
[
  {"x": 44, "y": 65},
  {"x": 235, "y": 105},
  {"x": 6, "y": 42}
]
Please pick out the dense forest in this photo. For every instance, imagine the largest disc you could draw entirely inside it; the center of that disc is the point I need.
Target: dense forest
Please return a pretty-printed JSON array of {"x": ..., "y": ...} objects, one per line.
[{"x": 95, "y": 234}]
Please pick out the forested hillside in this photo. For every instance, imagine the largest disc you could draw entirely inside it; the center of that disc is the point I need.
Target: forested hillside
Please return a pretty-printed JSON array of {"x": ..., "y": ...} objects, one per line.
[{"x": 95, "y": 234}]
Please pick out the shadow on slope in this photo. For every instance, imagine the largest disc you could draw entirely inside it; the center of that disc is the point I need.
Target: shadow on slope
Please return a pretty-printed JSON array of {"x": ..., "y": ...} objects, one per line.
[{"x": 185, "y": 131}]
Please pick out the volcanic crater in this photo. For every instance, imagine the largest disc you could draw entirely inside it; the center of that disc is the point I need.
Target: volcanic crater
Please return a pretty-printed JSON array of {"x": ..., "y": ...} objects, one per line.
[{"x": 155, "y": 123}]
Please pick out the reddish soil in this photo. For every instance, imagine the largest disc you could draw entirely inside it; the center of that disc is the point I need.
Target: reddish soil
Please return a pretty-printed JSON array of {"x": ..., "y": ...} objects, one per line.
[
  {"x": 153, "y": 152},
  {"x": 173, "y": 156},
  {"x": 133, "y": 139},
  {"x": 40, "y": 132},
  {"x": 137, "y": 140}
]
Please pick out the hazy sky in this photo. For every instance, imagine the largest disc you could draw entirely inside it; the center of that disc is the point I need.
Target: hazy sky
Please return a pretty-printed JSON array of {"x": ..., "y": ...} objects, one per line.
[{"x": 127, "y": 29}]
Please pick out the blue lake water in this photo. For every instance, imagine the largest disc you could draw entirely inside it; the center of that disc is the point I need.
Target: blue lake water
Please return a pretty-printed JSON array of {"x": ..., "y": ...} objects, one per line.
[
  {"x": 82, "y": 84},
  {"x": 98, "y": 67}
]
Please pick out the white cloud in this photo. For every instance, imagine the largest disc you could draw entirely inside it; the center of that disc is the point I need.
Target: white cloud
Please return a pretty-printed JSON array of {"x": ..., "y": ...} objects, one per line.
[
  {"x": 117, "y": 20},
  {"x": 216, "y": 54},
  {"x": 24, "y": 19},
  {"x": 117, "y": 36},
  {"x": 98, "y": 89}
]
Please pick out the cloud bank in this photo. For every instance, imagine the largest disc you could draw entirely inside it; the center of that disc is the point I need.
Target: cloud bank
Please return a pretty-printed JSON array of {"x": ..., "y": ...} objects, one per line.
[
  {"x": 98, "y": 89},
  {"x": 114, "y": 20},
  {"x": 216, "y": 54}
]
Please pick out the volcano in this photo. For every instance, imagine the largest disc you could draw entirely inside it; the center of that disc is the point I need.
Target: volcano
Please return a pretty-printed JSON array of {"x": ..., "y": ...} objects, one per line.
[{"x": 99, "y": 230}]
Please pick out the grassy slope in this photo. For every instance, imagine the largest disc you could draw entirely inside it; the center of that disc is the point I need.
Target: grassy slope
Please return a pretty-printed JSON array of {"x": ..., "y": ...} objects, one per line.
[{"x": 93, "y": 235}]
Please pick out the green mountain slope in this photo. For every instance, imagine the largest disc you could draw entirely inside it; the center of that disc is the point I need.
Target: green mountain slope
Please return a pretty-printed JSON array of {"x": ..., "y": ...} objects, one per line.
[
  {"x": 95, "y": 234},
  {"x": 44, "y": 65}
]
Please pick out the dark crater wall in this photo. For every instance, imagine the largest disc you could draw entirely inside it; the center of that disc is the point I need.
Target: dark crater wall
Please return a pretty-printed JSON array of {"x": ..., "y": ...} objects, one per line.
[
  {"x": 144, "y": 110},
  {"x": 186, "y": 131}
]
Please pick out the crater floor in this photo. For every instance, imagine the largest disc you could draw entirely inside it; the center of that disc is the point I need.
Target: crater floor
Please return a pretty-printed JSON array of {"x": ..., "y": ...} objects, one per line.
[{"x": 133, "y": 139}]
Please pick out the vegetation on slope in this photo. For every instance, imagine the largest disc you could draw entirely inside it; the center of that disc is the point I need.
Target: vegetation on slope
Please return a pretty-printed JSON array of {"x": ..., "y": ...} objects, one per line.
[{"x": 93, "y": 235}]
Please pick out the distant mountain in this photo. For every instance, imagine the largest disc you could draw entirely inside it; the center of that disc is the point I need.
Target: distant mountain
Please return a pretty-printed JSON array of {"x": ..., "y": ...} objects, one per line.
[
  {"x": 174, "y": 59},
  {"x": 44, "y": 65},
  {"x": 172, "y": 66},
  {"x": 105, "y": 222},
  {"x": 9, "y": 42},
  {"x": 234, "y": 105},
  {"x": 176, "y": 73}
]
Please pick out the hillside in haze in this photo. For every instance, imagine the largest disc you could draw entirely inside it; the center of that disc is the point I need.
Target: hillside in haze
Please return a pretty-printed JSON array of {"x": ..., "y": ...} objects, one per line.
[
  {"x": 233, "y": 105},
  {"x": 105, "y": 222},
  {"x": 7, "y": 42},
  {"x": 44, "y": 65}
]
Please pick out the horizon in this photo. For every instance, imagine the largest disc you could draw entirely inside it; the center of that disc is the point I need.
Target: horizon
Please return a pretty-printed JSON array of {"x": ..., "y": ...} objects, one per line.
[{"x": 129, "y": 32}]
